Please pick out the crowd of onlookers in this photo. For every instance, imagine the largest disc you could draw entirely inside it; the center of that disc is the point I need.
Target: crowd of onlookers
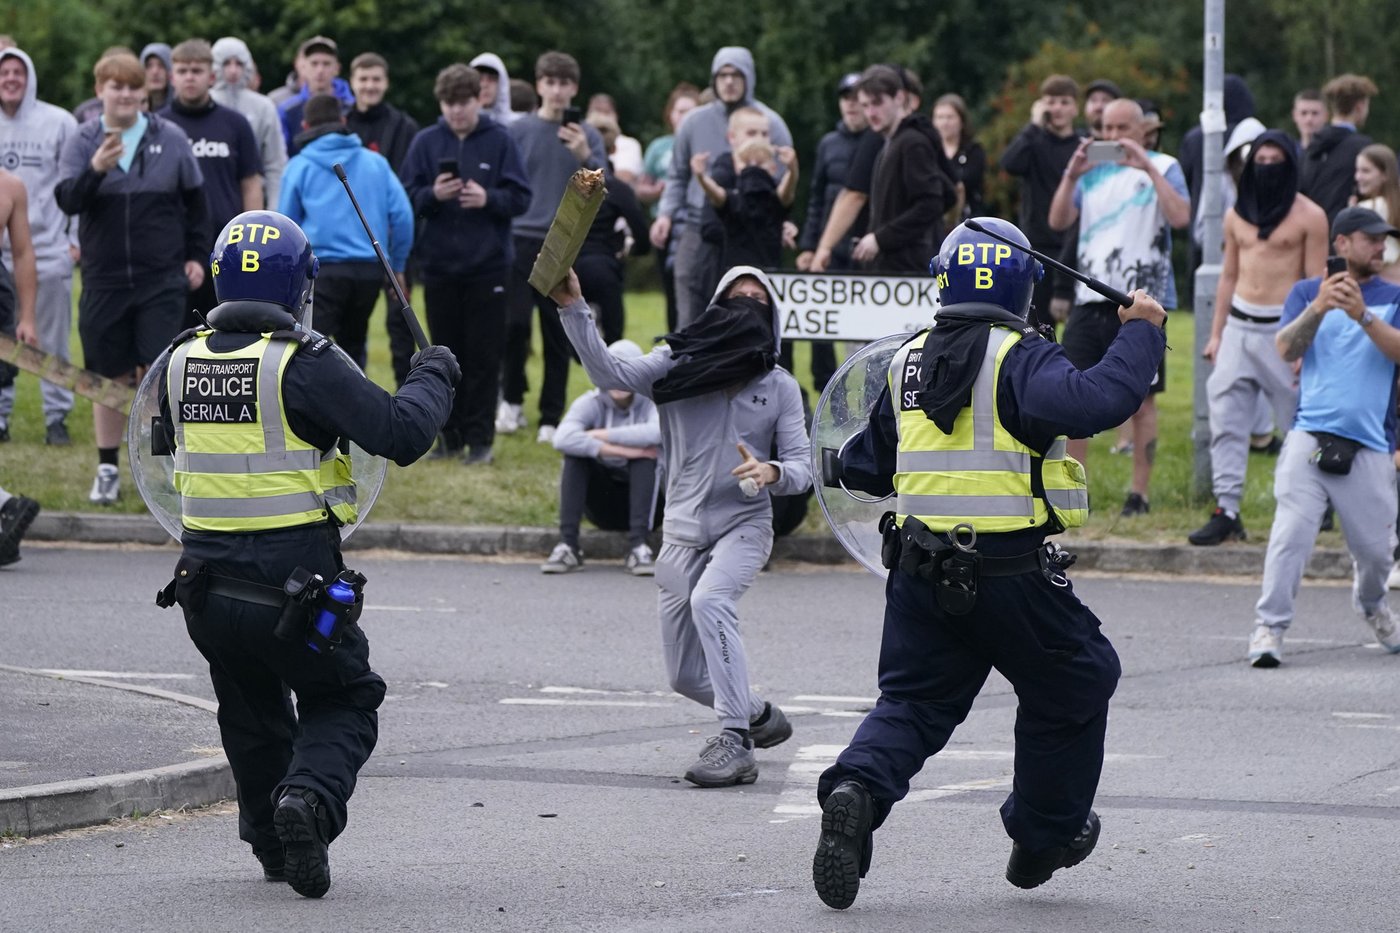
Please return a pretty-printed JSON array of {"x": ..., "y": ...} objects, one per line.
[{"x": 136, "y": 183}]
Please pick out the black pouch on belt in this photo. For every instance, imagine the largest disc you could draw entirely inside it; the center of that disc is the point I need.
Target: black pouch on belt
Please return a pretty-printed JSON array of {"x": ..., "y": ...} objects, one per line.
[
  {"x": 187, "y": 587},
  {"x": 1334, "y": 454},
  {"x": 956, "y": 591},
  {"x": 889, "y": 541},
  {"x": 303, "y": 589}
]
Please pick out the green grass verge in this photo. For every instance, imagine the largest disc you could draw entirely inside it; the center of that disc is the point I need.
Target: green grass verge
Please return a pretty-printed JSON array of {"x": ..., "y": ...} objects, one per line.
[{"x": 521, "y": 488}]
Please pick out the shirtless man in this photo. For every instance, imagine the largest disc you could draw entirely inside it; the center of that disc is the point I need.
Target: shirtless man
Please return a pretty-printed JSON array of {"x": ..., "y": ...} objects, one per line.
[
  {"x": 1274, "y": 237},
  {"x": 14, "y": 222}
]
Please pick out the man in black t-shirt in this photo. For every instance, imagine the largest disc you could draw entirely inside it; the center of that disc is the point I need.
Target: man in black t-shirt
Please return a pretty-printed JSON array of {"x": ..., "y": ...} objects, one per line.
[{"x": 223, "y": 144}]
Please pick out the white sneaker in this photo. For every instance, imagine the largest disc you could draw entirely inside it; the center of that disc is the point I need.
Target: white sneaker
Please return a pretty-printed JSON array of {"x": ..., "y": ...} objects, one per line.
[
  {"x": 509, "y": 418},
  {"x": 639, "y": 562},
  {"x": 1383, "y": 624},
  {"x": 1266, "y": 646},
  {"x": 546, "y": 434},
  {"x": 563, "y": 559},
  {"x": 1392, "y": 582},
  {"x": 106, "y": 486}
]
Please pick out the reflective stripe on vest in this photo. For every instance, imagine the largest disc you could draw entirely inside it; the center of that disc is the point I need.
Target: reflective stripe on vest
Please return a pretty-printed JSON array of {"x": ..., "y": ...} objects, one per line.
[
  {"x": 239, "y": 467},
  {"x": 980, "y": 473}
]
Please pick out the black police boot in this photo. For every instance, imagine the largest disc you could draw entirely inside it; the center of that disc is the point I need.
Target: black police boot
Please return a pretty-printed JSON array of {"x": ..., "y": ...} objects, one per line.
[
  {"x": 1221, "y": 527},
  {"x": 298, "y": 822},
  {"x": 1032, "y": 869},
  {"x": 274, "y": 865},
  {"x": 843, "y": 852}
]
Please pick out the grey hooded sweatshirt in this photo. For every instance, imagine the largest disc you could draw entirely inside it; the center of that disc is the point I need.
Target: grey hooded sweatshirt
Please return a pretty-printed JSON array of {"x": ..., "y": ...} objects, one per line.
[
  {"x": 706, "y": 129},
  {"x": 30, "y": 144},
  {"x": 259, "y": 110},
  {"x": 500, "y": 111},
  {"x": 699, "y": 434}
]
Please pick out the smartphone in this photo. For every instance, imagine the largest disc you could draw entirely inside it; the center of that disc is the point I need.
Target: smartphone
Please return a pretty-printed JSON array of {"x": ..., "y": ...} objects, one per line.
[
  {"x": 448, "y": 167},
  {"x": 1104, "y": 150},
  {"x": 1335, "y": 266},
  {"x": 573, "y": 115}
]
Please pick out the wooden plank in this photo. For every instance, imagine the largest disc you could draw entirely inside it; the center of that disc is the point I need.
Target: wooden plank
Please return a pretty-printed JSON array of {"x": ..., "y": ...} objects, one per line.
[
  {"x": 583, "y": 195},
  {"x": 50, "y": 368}
]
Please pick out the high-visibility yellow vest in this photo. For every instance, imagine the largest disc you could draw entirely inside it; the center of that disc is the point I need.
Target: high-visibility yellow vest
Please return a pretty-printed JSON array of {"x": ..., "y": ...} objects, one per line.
[
  {"x": 239, "y": 467},
  {"x": 980, "y": 474}
]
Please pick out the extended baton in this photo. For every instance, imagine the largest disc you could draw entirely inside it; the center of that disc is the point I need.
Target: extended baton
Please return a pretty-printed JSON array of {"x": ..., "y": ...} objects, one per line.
[
  {"x": 1108, "y": 291},
  {"x": 414, "y": 327}
]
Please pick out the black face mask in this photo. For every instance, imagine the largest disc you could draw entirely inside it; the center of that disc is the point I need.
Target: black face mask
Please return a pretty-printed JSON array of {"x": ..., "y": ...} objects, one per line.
[
  {"x": 731, "y": 342},
  {"x": 1267, "y": 192}
]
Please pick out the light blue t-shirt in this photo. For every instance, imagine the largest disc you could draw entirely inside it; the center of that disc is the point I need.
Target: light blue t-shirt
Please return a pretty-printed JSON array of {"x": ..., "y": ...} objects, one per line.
[
  {"x": 1124, "y": 238},
  {"x": 1347, "y": 385},
  {"x": 131, "y": 138}
]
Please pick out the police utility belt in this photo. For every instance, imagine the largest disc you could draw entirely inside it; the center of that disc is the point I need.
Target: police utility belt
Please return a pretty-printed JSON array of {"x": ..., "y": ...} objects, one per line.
[
  {"x": 311, "y": 610},
  {"x": 954, "y": 569}
]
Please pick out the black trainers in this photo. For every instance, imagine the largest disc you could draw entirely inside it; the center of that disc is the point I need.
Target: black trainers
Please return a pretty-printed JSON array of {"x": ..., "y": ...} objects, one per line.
[
  {"x": 843, "y": 852},
  {"x": 1221, "y": 527},
  {"x": 1135, "y": 505},
  {"x": 478, "y": 455},
  {"x": 15, "y": 518},
  {"x": 1270, "y": 449},
  {"x": 56, "y": 434},
  {"x": 1032, "y": 869},
  {"x": 771, "y": 728},
  {"x": 298, "y": 823}
]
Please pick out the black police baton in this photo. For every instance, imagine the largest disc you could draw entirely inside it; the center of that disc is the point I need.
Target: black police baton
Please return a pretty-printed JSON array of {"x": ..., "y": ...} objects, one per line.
[
  {"x": 1107, "y": 291},
  {"x": 414, "y": 327}
]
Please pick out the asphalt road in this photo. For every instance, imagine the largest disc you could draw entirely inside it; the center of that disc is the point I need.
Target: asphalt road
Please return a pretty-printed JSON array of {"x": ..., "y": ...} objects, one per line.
[{"x": 527, "y": 776}]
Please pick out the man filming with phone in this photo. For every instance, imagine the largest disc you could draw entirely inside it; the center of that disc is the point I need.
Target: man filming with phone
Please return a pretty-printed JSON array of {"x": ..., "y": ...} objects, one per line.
[
  {"x": 466, "y": 180},
  {"x": 1127, "y": 200}
]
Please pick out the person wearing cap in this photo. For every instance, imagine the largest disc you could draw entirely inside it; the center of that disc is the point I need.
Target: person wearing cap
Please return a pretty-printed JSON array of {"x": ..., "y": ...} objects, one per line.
[
  {"x": 1099, "y": 93},
  {"x": 610, "y": 441},
  {"x": 1342, "y": 330},
  {"x": 1273, "y": 237},
  {"x": 318, "y": 65}
]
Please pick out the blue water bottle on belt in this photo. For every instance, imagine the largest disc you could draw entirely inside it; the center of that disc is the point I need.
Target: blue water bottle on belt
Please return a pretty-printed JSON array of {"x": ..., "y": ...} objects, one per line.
[{"x": 344, "y": 591}]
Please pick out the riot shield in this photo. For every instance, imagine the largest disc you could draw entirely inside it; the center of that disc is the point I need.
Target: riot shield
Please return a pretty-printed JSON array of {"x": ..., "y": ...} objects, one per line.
[
  {"x": 154, "y": 473},
  {"x": 841, "y": 414}
]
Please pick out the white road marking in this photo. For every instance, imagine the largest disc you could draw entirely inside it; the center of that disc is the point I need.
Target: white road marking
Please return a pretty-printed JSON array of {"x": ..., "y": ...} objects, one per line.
[
  {"x": 379, "y": 608},
  {"x": 820, "y": 698},
  {"x": 550, "y": 701},
  {"x": 596, "y": 692},
  {"x": 1342, "y": 715},
  {"x": 116, "y": 675}
]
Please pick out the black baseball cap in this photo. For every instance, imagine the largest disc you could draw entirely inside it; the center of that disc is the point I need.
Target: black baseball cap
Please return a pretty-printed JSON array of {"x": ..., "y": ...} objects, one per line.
[
  {"x": 1105, "y": 85},
  {"x": 848, "y": 84},
  {"x": 1361, "y": 220}
]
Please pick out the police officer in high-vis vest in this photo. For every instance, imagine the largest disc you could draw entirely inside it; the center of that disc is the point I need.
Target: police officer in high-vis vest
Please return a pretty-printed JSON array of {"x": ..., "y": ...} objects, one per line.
[
  {"x": 969, "y": 436},
  {"x": 257, "y": 411}
]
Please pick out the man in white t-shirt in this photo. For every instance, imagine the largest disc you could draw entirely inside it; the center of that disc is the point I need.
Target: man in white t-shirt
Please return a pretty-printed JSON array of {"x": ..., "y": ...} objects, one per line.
[{"x": 1126, "y": 210}]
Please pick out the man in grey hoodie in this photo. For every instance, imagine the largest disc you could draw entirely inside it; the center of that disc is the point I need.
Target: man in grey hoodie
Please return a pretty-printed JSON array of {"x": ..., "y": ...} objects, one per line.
[
  {"x": 495, "y": 88},
  {"x": 233, "y": 75},
  {"x": 32, "y": 134},
  {"x": 706, "y": 130},
  {"x": 720, "y": 395},
  {"x": 155, "y": 58}
]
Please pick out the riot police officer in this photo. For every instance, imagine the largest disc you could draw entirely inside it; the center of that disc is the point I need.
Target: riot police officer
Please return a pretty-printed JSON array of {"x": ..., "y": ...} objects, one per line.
[
  {"x": 969, "y": 435},
  {"x": 257, "y": 409}
]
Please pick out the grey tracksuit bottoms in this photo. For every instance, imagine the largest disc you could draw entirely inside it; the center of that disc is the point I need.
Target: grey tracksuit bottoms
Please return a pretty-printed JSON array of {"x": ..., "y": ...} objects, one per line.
[
  {"x": 699, "y": 593},
  {"x": 1246, "y": 367},
  {"x": 1365, "y": 504}
]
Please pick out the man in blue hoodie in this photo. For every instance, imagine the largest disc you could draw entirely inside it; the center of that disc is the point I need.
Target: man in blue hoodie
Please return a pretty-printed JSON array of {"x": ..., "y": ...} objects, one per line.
[
  {"x": 350, "y": 276},
  {"x": 706, "y": 129},
  {"x": 466, "y": 179}
]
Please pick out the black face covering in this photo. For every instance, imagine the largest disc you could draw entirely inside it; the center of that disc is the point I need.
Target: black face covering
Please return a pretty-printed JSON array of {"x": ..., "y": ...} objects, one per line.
[
  {"x": 731, "y": 343},
  {"x": 1267, "y": 192}
]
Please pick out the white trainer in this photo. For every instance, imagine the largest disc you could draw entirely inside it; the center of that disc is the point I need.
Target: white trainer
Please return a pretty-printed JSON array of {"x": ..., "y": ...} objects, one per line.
[
  {"x": 1392, "y": 582},
  {"x": 509, "y": 418},
  {"x": 546, "y": 434},
  {"x": 106, "y": 486},
  {"x": 1383, "y": 624},
  {"x": 1266, "y": 646},
  {"x": 640, "y": 562}
]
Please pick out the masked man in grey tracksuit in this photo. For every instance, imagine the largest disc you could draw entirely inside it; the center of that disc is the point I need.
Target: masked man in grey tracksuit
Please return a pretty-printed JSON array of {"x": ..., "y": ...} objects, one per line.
[{"x": 720, "y": 396}]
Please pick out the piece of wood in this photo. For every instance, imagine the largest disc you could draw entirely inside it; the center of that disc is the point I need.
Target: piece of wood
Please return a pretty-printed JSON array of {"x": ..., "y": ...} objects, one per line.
[
  {"x": 583, "y": 195},
  {"x": 50, "y": 368}
]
